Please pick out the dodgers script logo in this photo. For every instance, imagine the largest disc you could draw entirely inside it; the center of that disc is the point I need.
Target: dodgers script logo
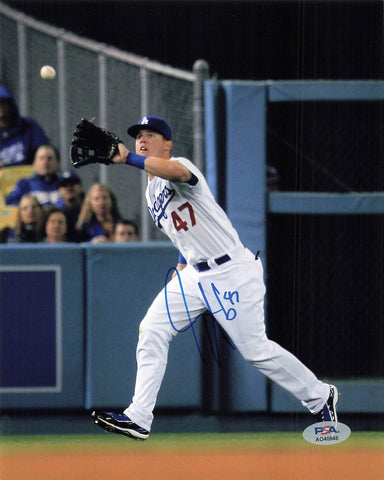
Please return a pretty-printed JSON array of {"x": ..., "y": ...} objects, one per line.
[{"x": 159, "y": 206}]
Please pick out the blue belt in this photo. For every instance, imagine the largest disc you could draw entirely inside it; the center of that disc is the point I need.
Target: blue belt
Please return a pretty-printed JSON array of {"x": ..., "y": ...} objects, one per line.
[{"x": 203, "y": 266}]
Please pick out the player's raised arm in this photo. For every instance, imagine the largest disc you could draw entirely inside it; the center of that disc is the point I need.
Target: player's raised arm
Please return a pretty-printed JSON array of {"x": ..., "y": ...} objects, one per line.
[
  {"x": 153, "y": 165},
  {"x": 173, "y": 171},
  {"x": 92, "y": 144}
]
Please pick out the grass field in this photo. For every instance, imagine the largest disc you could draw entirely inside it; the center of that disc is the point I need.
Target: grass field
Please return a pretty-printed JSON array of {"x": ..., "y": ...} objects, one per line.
[{"x": 253, "y": 456}]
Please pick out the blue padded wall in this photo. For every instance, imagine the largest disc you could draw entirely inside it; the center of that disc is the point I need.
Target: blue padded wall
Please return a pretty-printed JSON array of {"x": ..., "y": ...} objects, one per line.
[
  {"x": 245, "y": 163},
  {"x": 122, "y": 281},
  {"x": 41, "y": 308},
  {"x": 235, "y": 163}
]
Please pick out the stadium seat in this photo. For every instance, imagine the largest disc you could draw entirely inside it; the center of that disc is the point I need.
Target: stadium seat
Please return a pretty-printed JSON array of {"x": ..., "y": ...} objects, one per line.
[
  {"x": 10, "y": 175},
  {"x": 8, "y": 217}
]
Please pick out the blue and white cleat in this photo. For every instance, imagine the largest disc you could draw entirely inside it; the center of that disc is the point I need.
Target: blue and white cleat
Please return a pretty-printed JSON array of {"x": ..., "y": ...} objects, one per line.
[
  {"x": 119, "y": 423},
  {"x": 328, "y": 412}
]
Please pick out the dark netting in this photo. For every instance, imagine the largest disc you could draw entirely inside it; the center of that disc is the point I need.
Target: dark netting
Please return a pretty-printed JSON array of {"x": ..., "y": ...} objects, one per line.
[
  {"x": 327, "y": 146},
  {"x": 178, "y": 112},
  {"x": 325, "y": 291}
]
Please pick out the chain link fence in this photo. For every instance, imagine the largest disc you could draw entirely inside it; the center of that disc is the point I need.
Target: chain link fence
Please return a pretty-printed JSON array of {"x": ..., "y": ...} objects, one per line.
[{"x": 96, "y": 81}]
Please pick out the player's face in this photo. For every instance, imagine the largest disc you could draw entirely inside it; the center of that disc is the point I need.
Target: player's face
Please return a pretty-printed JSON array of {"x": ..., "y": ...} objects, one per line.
[{"x": 152, "y": 143}]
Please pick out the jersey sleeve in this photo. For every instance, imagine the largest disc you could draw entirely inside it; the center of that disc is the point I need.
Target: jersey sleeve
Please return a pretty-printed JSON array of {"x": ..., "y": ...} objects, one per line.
[
  {"x": 196, "y": 174},
  {"x": 182, "y": 260}
]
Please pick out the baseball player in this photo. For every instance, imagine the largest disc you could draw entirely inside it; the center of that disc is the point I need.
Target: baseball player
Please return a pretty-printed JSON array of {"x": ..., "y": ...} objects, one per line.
[{"x": 215, "y": 272}]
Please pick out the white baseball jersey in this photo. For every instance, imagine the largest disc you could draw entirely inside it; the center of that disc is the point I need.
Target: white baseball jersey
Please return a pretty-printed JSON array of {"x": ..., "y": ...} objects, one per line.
[
  {"x": 232, "y": 291},
  {"x": 190, "y": 217}
]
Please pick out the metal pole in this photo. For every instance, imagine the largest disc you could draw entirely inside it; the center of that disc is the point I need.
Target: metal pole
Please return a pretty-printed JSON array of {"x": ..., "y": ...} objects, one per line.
[
  {"x": 103, "y": 106},
  {"x": 62, "y": 99},
  {"x": 21, "y": 41},
  {"x": 201, "y": 71},
  {"x": 144, "y": 105}
]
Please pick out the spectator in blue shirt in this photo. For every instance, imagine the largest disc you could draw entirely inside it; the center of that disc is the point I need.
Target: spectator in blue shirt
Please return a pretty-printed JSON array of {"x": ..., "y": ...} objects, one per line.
[
  {"x": 19, "y": 136},
  {"x": 99, "y": 214},
  {"x": 44, "y": 185}
]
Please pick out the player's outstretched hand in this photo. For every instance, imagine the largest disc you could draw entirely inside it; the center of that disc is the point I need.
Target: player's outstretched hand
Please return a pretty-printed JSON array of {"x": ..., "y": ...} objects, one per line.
[
  {"x": 121, "y": 154},
  {"x": 92, "y": 144}
]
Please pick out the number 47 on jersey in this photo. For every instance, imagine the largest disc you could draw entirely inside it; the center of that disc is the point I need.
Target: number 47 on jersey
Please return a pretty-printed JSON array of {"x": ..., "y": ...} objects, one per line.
[{"x": 178, "y": 221}]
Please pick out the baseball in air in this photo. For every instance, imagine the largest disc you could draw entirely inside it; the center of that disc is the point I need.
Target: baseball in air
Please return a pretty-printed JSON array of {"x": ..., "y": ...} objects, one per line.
[{"x": 47, "y": 72}]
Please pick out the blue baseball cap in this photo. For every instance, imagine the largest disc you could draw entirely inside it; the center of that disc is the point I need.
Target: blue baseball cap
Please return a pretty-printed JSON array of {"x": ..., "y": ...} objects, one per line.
[
  {"x": 5, "y": 93},
  {"x": 151, "y": 123},
  {"x": 69, "y": 178}
]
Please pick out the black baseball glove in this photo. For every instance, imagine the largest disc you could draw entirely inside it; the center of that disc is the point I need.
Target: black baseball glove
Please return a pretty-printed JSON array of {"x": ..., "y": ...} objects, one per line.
[{"x": 92, "y": 144}]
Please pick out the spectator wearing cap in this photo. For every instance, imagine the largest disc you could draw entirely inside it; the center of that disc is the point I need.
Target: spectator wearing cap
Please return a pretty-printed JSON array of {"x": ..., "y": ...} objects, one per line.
[
  {"x": 44, "y": 185},
  {"x": 19, "y": 136},
  {"x": 71, "y": 201}
]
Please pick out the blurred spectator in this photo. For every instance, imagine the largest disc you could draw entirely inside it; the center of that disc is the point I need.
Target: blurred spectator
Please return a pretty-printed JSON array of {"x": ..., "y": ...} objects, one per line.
[
  {"x": 19, "y": 136},
  {"x": 30, "y": 222},
  {"x": 71, "y": 200},
  {"x": 99, "y": 214},
  {"x": 125, "y": 231},
  {"x": 55, "y": 226},
  {"x": 45, "y": 184}
]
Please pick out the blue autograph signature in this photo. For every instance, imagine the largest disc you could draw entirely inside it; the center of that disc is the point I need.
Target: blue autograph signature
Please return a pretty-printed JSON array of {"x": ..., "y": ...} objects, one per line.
[{"x": 230, "y": 314}]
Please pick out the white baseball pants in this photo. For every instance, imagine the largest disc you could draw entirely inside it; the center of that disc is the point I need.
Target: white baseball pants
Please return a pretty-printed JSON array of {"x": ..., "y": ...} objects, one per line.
[{"x": 234, "y": 293}]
